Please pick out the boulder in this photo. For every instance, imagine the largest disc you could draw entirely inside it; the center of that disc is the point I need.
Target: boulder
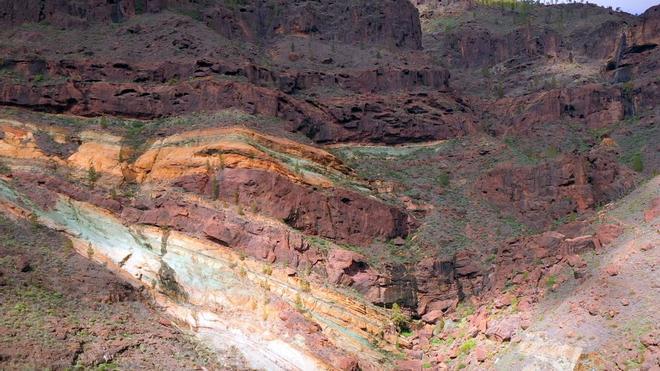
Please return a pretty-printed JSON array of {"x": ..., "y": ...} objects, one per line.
[{"x": 504, "y": 329}]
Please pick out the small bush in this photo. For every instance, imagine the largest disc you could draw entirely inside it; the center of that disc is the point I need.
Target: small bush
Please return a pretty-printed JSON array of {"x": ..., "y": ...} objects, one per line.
[
  {"x": 103, "y": 122},
  {"x": 465, "y": 309},
  {"x": 551, "y": 281},
  {"x": 264, "y": 285},
  {"x": 92, "y": 176},
  {"x": 268, "y": 270},
  {"x": 34, "y": 221},
  {"x": 468, "y": 346},
  {"x": 499, "y": 91},
  {"x": 38, "y": 78},
  {"x": 637, "y": 163},
  {"x": 305, "y": 286},
  {"x": 552, "y": 152},
  {"x": 4, "y": 169},
  {"x": 215, "y": 189},
  {"x": 399, "y": 319},
  {"x": 300, "y": 306},
  {"x": 443, "y": 179},
  {"x": 140, "y": 6},
  {"x": 221, "y": 162}
]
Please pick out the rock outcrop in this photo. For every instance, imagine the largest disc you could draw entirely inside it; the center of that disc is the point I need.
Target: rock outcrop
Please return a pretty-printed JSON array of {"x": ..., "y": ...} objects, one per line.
[
  {"x": 145, "y": 92},
  {"x": 391, "y": 23},
  {"x": 552, "y": 190},
  {"x": 595, "y": 105}
]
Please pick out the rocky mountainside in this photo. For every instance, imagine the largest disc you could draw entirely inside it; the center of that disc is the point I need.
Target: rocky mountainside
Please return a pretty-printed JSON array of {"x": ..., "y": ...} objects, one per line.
[{"x": 397, "y": 184}]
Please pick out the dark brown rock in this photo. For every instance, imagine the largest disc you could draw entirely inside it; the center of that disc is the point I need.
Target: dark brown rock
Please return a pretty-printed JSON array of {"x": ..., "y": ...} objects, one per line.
[{"x": 391, "y": 23}]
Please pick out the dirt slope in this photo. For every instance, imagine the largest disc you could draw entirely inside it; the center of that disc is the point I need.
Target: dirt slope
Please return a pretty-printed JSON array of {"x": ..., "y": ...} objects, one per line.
[{"x": 61, "y": 311}]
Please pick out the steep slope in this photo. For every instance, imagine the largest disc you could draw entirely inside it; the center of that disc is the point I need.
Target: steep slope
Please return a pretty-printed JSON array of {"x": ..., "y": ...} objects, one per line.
[
  {"x": 608, "y": 319},
  {"x": 61, "y": 310}
]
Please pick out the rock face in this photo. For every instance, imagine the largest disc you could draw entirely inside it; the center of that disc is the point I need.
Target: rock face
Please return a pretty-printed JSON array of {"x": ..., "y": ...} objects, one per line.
[
  {"x": 442, "y": 284},
  {"x": 595, "y": 105},
  {"x": 205, "y": 276},
  {"x": 391, "y": 285},
  {"x": 340, "y": 215},
  {"x": 540, "y": 260},
  {"x": 391, "y": 23},
  {"x": 66, "y": 13},
  {"x": 478, "y": 47},
  {"x": 481, "y": 45},
  {"x": 119, "y": 89},
  {"x": 259, "y": 208},
  {"x": 549, "y": 191}
]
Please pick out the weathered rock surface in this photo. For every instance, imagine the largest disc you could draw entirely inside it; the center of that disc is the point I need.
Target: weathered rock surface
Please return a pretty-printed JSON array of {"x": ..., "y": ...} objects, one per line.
[
  {"x": 555, "y": 189},
  {"x": 595, "y": 105},
  {"x": 338, "y": 215},
  {"x": 364, "y": 118},
  {"x": 392, "y": 23}
]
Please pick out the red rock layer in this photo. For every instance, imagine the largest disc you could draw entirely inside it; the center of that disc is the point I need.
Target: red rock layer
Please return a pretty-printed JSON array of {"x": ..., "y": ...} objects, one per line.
[
  {"x": 336, "y": 214},
  {"x": 554, "y": 189}
]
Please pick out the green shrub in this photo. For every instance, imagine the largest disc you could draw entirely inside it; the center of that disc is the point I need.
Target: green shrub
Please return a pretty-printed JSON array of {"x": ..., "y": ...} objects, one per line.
[
  {"x": 92, "y": 176},
  {"x": 4, "y": 169},
  {"x": 38, "y": 78},
  {"x": 467, "y": 346},
  {"x": 140, "y": 6},
  {"x": 443, "y": 179},
  {"x": 552, "y": 152},
  {"x": 215, "y": 189},
  {"x": 637, "y": 162},
  {"x": 499, "y": 91},
  {"x": 399, "y": 319},
  {"x": 464, "y": 309},
  {"x": 551, "y": 281},
  {"x": 103, "y": 122},
  {"x": 300, "y": 306},
  {"x": 305, "y": 286}
]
